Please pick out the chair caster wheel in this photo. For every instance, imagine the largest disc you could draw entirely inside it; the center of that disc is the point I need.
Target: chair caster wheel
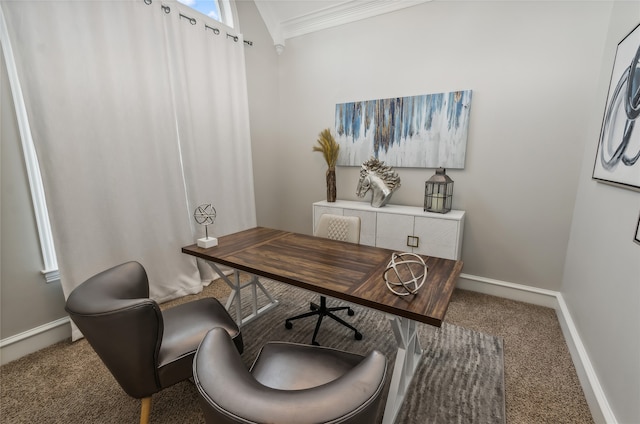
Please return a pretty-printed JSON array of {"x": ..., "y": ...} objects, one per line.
[
  {"x": 313, "y": 307},
  {"x": 358, "y": 336},
  {"x": 350, "y": 312},
  {"x": 288, "y": 325},
  {"x": 315, "y": 343}
]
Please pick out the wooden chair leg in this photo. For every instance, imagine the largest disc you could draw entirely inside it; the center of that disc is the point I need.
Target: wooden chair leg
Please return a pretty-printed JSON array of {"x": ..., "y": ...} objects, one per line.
[{"x": 145, "y": 410}]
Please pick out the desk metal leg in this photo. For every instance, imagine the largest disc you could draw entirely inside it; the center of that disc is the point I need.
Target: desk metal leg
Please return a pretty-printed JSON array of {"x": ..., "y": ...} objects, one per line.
[
  {"x": 407, "y": 361},
  {"x": 236, "y": 295}
]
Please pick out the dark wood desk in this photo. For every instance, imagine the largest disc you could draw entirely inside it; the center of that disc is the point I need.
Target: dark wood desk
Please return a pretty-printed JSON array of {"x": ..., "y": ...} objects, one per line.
[{"x": 346, "y": 271}]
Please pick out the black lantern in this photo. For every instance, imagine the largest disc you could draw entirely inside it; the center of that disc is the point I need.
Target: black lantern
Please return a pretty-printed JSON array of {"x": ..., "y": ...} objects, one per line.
[{"x": 438, "y": 192}]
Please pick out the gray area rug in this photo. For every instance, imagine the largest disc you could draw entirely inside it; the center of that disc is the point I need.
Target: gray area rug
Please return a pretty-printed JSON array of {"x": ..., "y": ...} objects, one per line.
[{"x": 460, "y": 379}]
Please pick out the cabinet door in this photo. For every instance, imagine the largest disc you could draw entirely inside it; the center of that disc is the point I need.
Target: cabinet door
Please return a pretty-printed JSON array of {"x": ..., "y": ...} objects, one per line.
[
  {"x": 392, "y": 231},
  {"x": 438, "y": 237},
  {"x": 367, "y": 225}
]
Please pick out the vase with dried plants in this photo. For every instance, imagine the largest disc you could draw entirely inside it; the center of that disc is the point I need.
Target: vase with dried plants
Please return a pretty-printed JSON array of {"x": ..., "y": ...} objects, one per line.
[{"x": 329, "y": 147}]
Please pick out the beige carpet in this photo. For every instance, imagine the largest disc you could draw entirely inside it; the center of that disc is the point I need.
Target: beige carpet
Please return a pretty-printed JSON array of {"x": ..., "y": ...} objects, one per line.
[
  {"x": 540, "y": 381},
  {"x": 541, "y": 384},
  {"x": 459, "y": 379}
]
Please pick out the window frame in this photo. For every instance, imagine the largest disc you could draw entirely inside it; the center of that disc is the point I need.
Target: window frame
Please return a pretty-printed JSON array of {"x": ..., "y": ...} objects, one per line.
[
  {"x": 51, "y": 272},
  {"x": 227, "y": 8}
]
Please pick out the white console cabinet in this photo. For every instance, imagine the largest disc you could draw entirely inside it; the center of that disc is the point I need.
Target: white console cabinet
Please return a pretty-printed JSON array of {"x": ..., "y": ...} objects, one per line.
[{"x": 402, "y": 228}]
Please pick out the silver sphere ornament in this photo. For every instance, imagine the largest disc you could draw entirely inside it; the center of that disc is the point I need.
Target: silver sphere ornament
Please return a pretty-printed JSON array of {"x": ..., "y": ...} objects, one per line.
[
  {"x": 205, "y": 214},
  {"x": 400, "y": 267}
]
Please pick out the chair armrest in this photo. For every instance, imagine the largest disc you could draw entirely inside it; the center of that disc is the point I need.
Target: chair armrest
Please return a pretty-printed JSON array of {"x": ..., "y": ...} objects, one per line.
[{"x": 230, "y": 394}]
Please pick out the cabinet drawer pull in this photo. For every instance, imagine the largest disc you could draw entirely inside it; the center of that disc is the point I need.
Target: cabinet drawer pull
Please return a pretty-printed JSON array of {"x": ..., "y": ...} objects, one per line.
[{"x": 413, "y": 241}]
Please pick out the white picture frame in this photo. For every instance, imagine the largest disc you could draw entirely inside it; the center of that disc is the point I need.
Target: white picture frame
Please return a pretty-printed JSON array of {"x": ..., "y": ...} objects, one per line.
[
  {"x": 618, "y": 156},
  {"x": 425, "y": 131}
]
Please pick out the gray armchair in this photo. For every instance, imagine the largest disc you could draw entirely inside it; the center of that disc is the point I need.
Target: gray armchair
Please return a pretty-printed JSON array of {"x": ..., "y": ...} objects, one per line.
[
  {"x": 288, "y": 384},
  {"x": 145, "y": 349}
]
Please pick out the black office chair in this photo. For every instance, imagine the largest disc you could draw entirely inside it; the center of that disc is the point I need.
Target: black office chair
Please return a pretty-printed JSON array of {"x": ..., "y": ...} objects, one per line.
[
  {"x": 334, "y": 227},
  {"x": 145, "y": 349},
  {"x": 289, "y": 383}
]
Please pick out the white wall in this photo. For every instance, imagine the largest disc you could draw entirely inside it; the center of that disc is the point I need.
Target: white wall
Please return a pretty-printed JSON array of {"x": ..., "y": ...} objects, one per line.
[
  {"x": 601, "y": 283},
  {"x": 532, "y": 67},
  {"x": 539, "y": 84},
  {"x": 262, "y": 87}
]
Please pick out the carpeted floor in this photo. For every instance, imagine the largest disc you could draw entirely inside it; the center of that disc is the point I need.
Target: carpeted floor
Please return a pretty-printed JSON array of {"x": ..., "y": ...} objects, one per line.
[
  {"x": 541, "y": 384},
  {"x": 540, "y": 381},
  {"x": 460, "y": 378}
]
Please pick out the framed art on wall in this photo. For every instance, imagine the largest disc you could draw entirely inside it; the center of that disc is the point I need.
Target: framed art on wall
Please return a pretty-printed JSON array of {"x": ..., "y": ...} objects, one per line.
[
  {"x": 619, "y": 145},
  {"x": 426, "y": 131}
]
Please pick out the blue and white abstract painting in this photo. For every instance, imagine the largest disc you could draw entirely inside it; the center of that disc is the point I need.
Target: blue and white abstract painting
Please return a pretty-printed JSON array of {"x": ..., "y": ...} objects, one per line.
[{"x": 427, "y": 131}]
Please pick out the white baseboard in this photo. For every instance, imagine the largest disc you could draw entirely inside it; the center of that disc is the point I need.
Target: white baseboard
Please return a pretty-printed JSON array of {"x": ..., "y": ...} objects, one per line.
[
  {"x": 596, "y": 399},
  {"x": 14, "y": 347},
  {"x": 504, "y": 289}
]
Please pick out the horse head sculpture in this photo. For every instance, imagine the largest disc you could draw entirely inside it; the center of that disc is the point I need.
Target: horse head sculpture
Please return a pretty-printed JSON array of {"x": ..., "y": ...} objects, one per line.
[{"x": 380, "y": 179}]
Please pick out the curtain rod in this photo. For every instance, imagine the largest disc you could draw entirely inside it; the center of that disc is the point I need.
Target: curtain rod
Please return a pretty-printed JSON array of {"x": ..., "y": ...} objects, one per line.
[{"x": 166, "y": 9}]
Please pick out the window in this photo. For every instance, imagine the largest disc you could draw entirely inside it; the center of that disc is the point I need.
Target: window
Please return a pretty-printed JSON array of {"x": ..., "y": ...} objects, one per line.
[{"x": 220, "y": 10}]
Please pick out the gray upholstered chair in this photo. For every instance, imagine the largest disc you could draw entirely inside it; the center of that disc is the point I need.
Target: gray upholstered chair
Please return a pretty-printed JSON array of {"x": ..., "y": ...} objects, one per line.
[
  {"x": 288, "y": 384},
  {"x": 334, "y": 227},
  {"x": 145, "y": 349}
]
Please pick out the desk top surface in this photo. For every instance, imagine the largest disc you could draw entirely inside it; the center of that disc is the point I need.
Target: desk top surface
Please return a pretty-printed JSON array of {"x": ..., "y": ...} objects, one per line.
[{"x": 347, "y": 271}]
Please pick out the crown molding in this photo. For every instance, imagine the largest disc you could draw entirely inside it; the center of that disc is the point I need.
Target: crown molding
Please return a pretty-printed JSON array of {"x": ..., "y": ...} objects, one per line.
[
  {"x": 332, "y": 16},
  {"x": 267, "y": 12}
]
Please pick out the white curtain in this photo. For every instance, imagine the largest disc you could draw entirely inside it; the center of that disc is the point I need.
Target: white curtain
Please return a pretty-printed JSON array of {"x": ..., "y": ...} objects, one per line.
[
  {"x": 213, "y": 115},
  {"x": 137, "y": 117}
]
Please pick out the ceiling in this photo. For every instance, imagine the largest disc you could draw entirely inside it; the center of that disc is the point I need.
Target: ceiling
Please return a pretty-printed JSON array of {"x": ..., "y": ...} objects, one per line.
[{"x": 290, "y": 18}]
